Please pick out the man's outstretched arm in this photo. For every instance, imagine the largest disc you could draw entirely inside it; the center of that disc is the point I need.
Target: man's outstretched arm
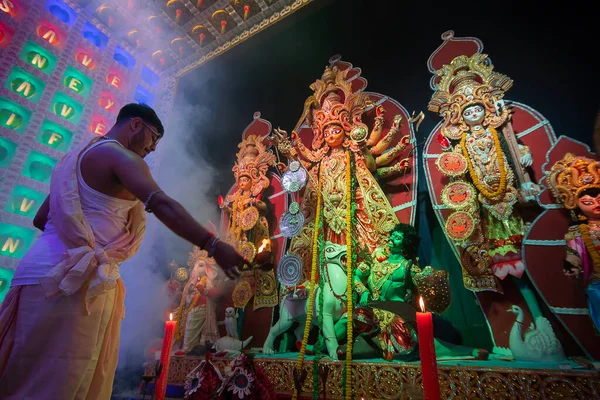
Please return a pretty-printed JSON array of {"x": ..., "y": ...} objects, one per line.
[{"x": 135, "y": 175}]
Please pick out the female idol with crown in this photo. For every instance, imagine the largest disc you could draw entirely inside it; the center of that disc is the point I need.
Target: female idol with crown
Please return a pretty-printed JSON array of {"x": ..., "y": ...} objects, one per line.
[
  {"x": 575, "y": 183},
  {"x": 485, "y": 222},
  {"x": 248, "y": 228},
  {"x": 342, "y": 203},
  {"x": 342, "y": 141}
]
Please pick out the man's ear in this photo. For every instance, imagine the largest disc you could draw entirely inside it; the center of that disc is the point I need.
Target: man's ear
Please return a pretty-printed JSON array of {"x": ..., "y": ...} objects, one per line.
[{"x": 135, "y": 124}]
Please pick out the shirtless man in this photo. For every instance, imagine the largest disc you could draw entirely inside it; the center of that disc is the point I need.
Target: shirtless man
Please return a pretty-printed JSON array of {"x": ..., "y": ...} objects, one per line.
[{"x": 60, "y": 321}]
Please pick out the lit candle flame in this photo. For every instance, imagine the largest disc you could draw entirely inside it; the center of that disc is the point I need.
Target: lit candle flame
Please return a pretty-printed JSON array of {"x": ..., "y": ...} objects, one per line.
[
  {"x": 264, "y": 244},
  {"x": 170, "y": 316},
  {"x": 421, "y": 304}
]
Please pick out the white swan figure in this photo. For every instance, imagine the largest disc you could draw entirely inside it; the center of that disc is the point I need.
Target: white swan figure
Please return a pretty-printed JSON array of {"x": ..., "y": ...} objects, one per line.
[{"x": 538, "y": 343}]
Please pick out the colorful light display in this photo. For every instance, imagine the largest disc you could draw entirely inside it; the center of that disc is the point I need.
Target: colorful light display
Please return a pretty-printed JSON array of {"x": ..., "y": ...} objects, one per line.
[
  {"x": 85, "y": 58},
  {"x": 25, "y": 84},
  {"x": 68, "y": 67},
  {"x": 13, "y": 116},
  {"x": 6, "y": 34},
  {"x": 54, "y": 136},
  {"x": 14, "y": 240},
  {"x": 77, "y": 82},
  {"x": 65, "y": 79},
  {"x": 99, "y": 125},
  {"x": 38, "y": 57},
  {"x": 51, "y": 34},
  {"x": 108, "y": 102},
  {"x": 5, "y": 278},
  {"x": 7, "y": 149},
  {"x": 39, "y": 167},
  {"x": 67, "y": 108},
  {"x": 94, "y": 36},
  {"x": 14, "y": 8},
  {"x": 25, "y": 201},
  {"x": 61, "y": 11}
]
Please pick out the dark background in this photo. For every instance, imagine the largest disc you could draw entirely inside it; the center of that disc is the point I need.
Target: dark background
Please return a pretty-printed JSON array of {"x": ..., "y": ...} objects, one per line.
[{"x": 548, "y": 52}]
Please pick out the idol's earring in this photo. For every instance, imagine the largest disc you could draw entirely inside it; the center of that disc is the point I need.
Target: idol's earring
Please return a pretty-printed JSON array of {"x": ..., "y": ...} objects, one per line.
[{"x": 573, "y": 215}]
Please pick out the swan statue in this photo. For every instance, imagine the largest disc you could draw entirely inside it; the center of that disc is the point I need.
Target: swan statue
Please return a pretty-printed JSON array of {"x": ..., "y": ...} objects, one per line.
[{"x": 538, "y": 343}]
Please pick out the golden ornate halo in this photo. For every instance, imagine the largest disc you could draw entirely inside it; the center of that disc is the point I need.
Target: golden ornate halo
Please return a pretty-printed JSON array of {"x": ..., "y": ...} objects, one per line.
[
  {"x": 249, "y": 218},
  {"x": 247, "y": 250},
  {"x": 458, "y": 195},
  {"x": 452, "y": 164},
  {"x": 460, "y": 226},
  {"x": 182, "y": 274},
  {"x": 359, "y": 133},
  {"x": 452, "y": 132},
  {"x": 241, "y": 294}
]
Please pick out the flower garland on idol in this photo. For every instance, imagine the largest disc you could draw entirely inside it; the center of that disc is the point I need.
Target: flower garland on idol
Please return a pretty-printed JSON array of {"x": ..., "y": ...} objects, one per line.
[
  {"x": 317, "y": 247},
  {"x": 349, "y": 257},
  {"x": 320, "y": 340},
  {"x": 476, "y": 181},
  {"x": 313, "y": 277}
]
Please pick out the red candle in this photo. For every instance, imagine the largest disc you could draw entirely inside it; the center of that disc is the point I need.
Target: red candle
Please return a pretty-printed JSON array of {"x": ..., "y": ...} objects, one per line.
[
  {"x": 429, "y": 375},
  {"x": 165, "y": 358}
]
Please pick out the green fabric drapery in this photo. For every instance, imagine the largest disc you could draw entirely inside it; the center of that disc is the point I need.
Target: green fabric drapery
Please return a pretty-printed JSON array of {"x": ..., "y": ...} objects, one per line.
[{"x": 464, "y": 314}]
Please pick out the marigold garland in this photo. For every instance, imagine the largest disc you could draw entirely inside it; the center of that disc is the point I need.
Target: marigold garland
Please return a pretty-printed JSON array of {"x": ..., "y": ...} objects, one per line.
[
  {"x": 348, "y": 364},
  {"x": 320, "y": 340},
  {"x": 500, "y": 157},
  {"x": 584, "y": 230},
  {"x": 234, "y": 225},
  {"x": 313, "y": 277}
]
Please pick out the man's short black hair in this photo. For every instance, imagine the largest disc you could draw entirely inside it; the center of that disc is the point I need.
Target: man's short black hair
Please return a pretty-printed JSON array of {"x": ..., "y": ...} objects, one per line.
[{"x": 143, "y": 111}]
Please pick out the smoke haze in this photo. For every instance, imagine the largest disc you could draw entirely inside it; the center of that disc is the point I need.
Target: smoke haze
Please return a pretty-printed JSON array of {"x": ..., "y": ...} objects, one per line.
[{"x": 187, "y": 178}]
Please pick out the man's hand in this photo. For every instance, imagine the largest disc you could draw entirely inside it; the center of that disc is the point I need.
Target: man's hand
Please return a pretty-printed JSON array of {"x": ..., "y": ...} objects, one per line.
[{"x": 228, "y": 259}]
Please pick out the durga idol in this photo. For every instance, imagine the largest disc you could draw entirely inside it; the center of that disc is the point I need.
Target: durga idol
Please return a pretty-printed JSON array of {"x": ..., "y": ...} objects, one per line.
[{"x": 342, "y": 163}]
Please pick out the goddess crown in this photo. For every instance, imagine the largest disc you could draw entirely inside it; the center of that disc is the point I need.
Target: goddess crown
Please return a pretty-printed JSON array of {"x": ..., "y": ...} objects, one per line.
[
  {"x": 334, "y": 102},
  {"x": 571, "y": 176},
  {"x": 253, "y": 161},
  {"x": 464, "y": 82}
]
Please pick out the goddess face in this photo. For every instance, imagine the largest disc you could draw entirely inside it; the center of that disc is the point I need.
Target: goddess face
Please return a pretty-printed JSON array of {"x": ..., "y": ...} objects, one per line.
[
  {"x": 474, "y": 114},
  {"x": 334, "y": 135},
  {"x": 245, "y": 183},
  {"x": 590, "y": 206}
]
